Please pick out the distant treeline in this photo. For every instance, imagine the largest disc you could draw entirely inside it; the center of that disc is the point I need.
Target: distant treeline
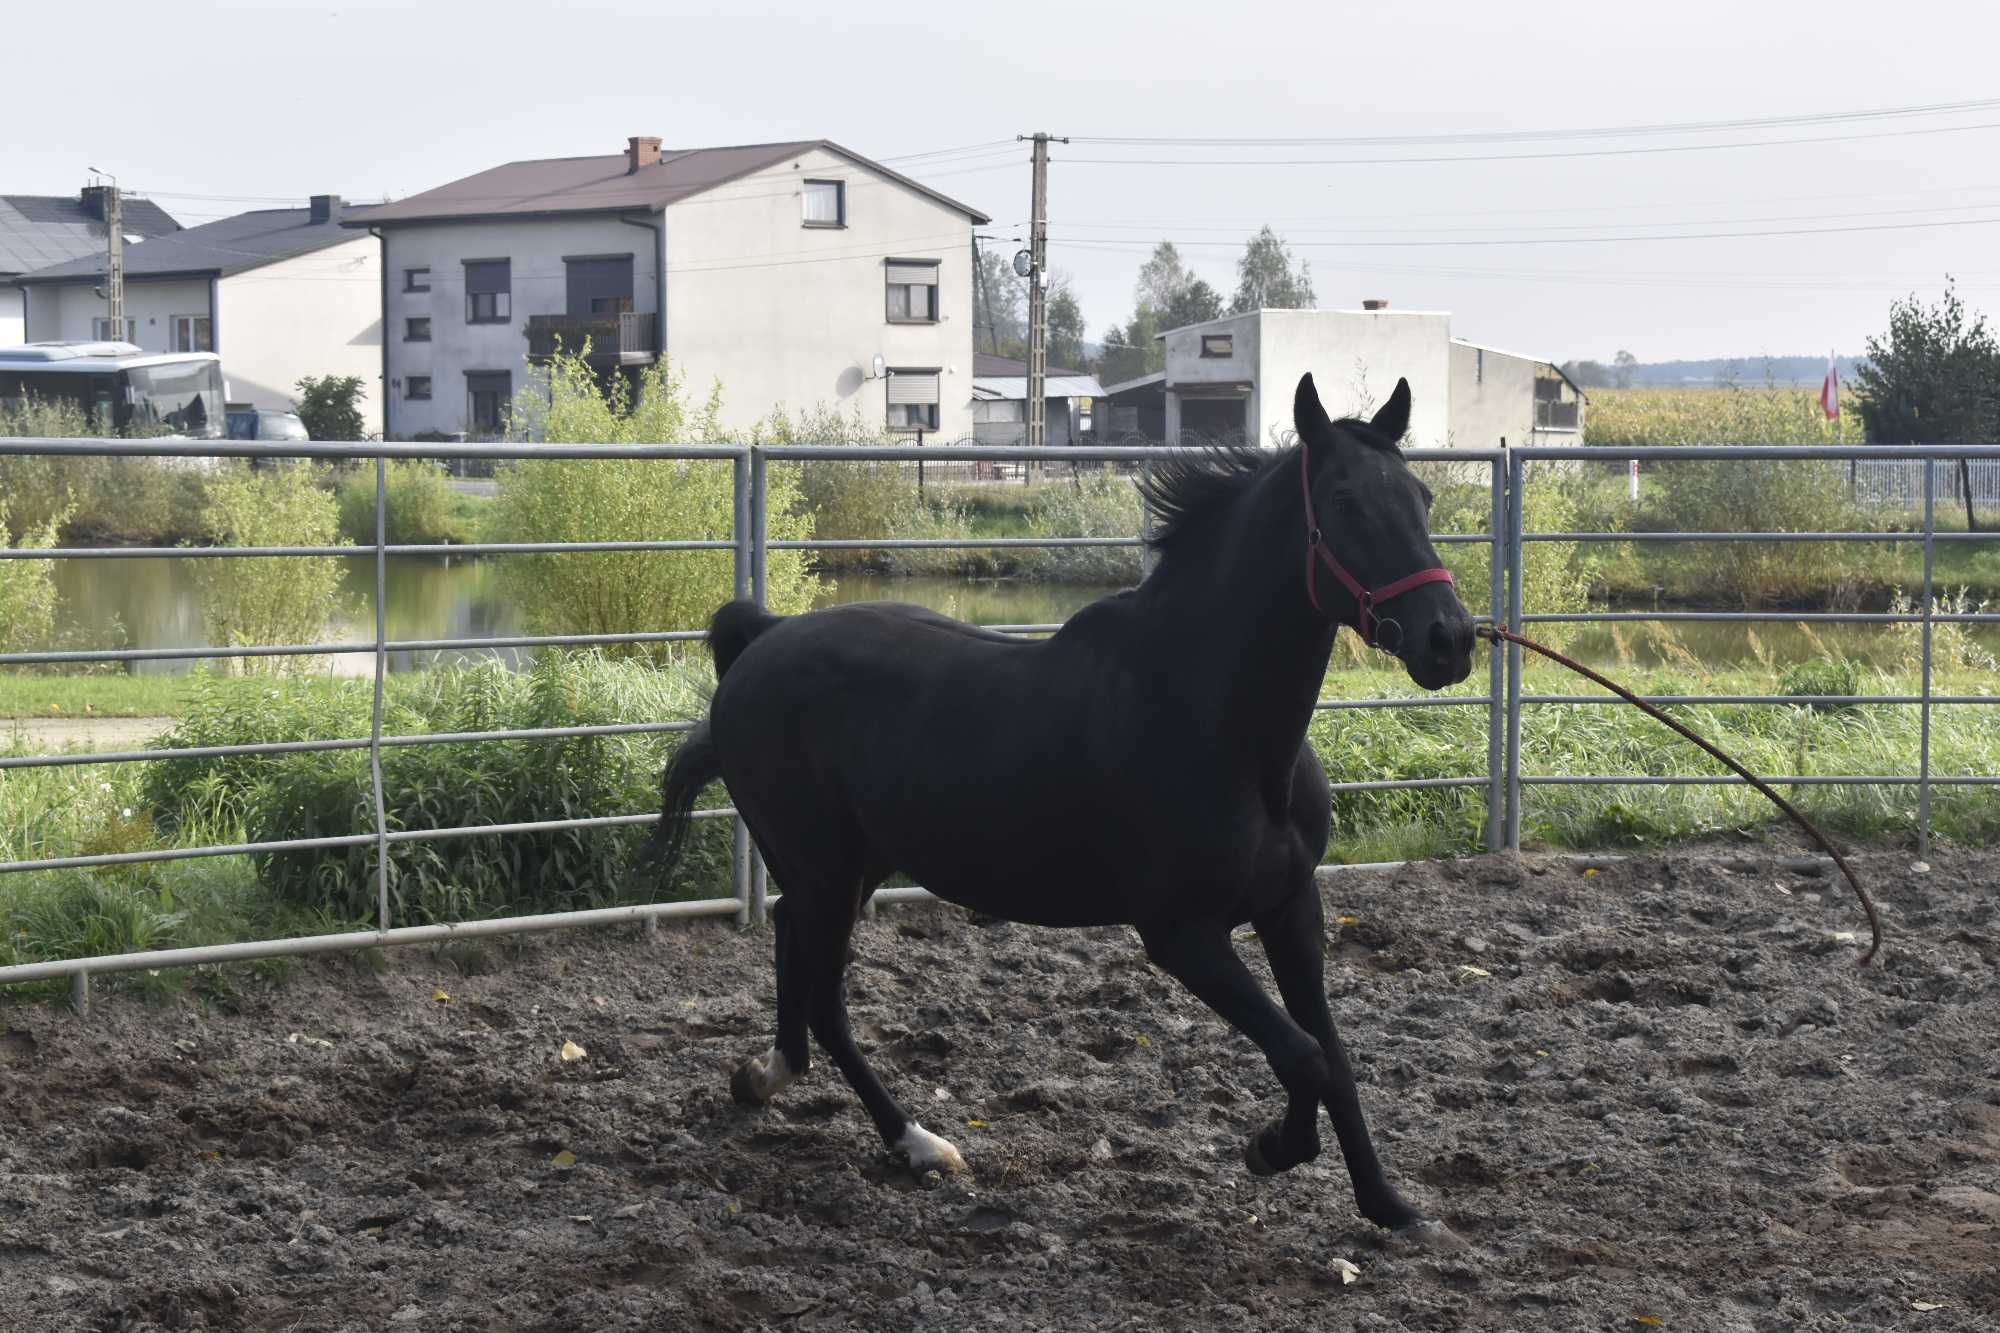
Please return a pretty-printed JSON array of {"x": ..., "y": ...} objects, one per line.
[{"x": 1721, "y": 372}]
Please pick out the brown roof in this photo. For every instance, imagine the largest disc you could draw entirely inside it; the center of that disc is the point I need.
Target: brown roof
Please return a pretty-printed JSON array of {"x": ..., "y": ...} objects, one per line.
[{"x": 557, "y": 185}]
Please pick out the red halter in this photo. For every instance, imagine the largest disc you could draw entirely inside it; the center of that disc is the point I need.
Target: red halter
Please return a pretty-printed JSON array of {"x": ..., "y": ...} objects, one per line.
[{"x": 1366, "y": 620}]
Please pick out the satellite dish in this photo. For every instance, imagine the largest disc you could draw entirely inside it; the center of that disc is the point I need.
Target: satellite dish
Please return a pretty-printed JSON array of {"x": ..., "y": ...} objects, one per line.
[
  {"x": 1024, "y": 263},
  {"x": 878, "y": 365}
]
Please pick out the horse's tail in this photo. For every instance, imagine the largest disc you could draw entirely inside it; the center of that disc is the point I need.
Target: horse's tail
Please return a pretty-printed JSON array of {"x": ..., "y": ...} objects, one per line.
[{"x": 696, "y": 761}]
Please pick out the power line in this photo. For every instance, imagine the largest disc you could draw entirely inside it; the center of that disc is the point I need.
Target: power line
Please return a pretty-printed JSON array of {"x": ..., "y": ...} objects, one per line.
[
  {"x": 1511, "y": 157},
  {"x": 1529, "y": 136},
  {"x": 1571, "y": 240},
  {"x": 1563, "y": 227}
]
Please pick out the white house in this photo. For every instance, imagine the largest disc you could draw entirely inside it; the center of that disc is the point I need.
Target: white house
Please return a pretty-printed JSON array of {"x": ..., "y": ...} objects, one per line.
[
  {"x": 1234, "y": 377},
  {"x": 1000, "y": 401},
  {"x": 37, "y": 230},
  {"x": 280, "y": 294},
  {"x": 794, "y": 275}
]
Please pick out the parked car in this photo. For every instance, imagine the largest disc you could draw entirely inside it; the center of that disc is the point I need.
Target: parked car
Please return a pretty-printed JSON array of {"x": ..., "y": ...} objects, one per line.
[{"x": 256, "y": 423}]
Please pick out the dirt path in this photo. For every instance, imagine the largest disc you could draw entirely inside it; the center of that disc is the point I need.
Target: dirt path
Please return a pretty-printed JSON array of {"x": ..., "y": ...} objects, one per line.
[
  {"x": 1662, "y": 1092},
  {"x": 52, "y": 734}
]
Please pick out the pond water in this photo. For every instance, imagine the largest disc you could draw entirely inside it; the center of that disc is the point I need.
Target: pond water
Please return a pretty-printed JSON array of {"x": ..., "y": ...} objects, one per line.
[{"x": 155, "y": 603}]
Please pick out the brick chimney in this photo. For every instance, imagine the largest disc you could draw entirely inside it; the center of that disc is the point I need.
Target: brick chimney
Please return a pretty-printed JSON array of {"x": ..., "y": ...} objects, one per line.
[
  {"x": 92, "y": 199},
  {"x": 325, "y": 208},
  {"x": 641, "y": 151},
  {"x": 1375, "y": 303}
]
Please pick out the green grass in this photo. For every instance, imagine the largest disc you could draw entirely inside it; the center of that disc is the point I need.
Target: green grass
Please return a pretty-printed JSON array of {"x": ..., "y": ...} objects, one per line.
[
  {"x": 51, "y": 812},
  {"x": 98, "y": 695}
]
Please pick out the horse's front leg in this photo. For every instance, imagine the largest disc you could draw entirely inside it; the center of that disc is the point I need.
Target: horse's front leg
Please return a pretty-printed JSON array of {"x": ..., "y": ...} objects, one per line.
[{"x": 1294, "y": 940}]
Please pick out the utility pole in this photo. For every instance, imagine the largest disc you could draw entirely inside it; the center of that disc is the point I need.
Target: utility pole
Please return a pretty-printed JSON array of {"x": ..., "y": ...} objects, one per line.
[
  {"x": 1038, "y": 294},
  {"x": 985, "y": 299},
  {"x": 114, "y": 257}
]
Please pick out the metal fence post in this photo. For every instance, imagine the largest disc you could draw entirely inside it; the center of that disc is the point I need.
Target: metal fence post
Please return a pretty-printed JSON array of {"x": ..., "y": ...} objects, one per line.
[
  {"x": 381, "y": 672},
  {"x": 760, "y": 579},
  {"x": 1516, "y": 475},
  {"x": 1496, "y": 578},
  {"x": 1924, "y": 740},
  {"x": 739, "y": 845}
]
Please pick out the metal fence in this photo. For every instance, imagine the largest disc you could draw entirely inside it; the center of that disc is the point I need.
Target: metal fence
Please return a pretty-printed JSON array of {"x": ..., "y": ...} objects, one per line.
[
  {"x": 1890, "y": 484},
  {"x": 1506, "y": 475}
]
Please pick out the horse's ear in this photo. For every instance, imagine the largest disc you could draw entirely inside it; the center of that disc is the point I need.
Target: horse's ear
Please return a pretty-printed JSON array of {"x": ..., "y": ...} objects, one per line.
[
  {"x": 1393, "y": 420},
  {"x": 1308, "y": 417}
]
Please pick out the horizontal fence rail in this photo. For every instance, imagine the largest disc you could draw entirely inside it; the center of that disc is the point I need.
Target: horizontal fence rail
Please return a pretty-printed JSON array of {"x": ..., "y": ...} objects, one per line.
[{"x": 1887, "y": 473}]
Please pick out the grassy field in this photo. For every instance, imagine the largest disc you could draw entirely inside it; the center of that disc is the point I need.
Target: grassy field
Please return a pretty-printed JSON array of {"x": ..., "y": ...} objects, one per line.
[{"x": 96, "y": 695}]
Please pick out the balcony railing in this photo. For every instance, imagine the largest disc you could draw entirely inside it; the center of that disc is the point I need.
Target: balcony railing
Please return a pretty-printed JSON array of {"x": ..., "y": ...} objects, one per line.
[{"x": 626, "y": 339}]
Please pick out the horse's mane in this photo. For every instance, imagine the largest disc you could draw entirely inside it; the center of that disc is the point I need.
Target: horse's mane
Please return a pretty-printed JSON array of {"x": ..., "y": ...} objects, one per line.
[{"x": 1201, "y": 479}]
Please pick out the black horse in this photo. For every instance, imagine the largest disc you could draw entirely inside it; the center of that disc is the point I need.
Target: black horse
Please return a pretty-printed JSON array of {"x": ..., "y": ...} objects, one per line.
[{"x": 1146, "y": 765}]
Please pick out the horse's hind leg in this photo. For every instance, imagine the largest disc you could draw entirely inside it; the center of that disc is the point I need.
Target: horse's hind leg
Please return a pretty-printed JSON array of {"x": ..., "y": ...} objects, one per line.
[
  {"x": 762, "y": 1077},
  {"x": 822, "y": 940}
]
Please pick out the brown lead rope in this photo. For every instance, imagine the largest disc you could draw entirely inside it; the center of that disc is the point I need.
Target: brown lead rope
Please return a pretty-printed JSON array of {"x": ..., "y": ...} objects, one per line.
[{"x": 1497, "y": 634}]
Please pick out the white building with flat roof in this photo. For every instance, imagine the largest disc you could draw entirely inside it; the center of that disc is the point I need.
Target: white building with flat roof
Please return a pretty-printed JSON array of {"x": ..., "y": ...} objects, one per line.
[{"x": 1233, "y": 378}]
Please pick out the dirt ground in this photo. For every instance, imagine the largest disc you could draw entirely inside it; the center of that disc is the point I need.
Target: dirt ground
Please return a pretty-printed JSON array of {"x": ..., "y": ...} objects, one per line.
[{"x": 1661, "y": 1095}]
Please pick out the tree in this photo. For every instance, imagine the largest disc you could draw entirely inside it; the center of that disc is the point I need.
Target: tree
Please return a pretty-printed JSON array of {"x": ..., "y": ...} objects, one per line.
[
  {"x": 1622, "y": 366},
  {"x": 1000, "y": 327},
  {"x": 330, "y": 406},
  {"x": 1265, "y": 280},
  {"x": 1131, "y": 351},
  {"x": 1588, "y": 374},
  {"x": 1162, "y": 278},
  {"x": 1065, "y": 344},
  {"x": 1195, "y": 303},
  {"x": 1933, "y": 379}
]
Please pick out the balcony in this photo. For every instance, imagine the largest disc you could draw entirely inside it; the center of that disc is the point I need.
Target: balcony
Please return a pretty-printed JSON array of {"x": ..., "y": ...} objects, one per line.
[{"x": 627, "y": 339}]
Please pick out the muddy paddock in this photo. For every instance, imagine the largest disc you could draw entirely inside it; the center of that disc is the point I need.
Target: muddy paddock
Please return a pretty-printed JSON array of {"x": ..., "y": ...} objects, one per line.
[{"x": 1660, "y": 1095}]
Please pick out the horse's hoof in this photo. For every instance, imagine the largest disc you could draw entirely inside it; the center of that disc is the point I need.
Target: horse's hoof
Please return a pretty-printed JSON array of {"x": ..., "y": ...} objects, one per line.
[
  {"x": 1253, "y": 1157},
  {"x": 746, "y": 1085},
  {"x": 1430, "y": 1235},
  {"x": 927, "y": 1152}
]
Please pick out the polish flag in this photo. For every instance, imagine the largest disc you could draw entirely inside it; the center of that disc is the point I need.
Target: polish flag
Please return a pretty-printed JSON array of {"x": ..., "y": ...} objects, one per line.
[{"x": 1829, "y": 391}]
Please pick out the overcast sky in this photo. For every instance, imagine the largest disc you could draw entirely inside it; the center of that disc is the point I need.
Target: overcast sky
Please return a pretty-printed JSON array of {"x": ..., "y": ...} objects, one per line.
[{"x": 216, "y": 107}]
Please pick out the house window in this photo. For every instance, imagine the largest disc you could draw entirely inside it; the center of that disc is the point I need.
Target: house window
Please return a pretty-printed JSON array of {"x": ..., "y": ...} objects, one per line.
[
  {"x": 913, "y": 291},
  {"x": 103, "y": 330},
  {"x": 416, "y": 279},
  {"x": 826, "y": 204},
  {"x": 488, "y": 298},
  {"x": 913, "y": 400},
  {"x": 417, "y": 329},
  {"x": 487, "y": 394},
  {"x": 1218, "y": 344},
  {"x": 194, "y": 333},
  {"x": 417, "y": 388}
]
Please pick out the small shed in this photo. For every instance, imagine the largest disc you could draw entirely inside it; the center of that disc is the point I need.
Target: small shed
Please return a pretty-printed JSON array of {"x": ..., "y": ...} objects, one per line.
[
  {"x": 1000, "y": 401},
  {"x": 1133, "y": 411}
]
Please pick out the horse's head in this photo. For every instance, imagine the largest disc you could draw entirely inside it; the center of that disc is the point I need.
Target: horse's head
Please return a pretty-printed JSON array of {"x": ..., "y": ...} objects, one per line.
[{"x": 1367, "y": 539}]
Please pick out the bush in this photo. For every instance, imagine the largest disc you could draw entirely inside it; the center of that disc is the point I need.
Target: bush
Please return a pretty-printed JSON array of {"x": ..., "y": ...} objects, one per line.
[
  {"x": 631, "y": 500},
  {"x": 443, "y": 786},
  {"x": 854, "y": 501},
  {"x": 1556, "y": 576},
  {"x": 268, "y": 599},
  {"x": 1758, "y": 496},
  {"x": 28, "y": 589},
  {"x": 1095, "y": 504},
  {"x": 1834, "y": 675},
  {"x": 422, "y": 507},
  {"x": 330, "y": 406}
]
